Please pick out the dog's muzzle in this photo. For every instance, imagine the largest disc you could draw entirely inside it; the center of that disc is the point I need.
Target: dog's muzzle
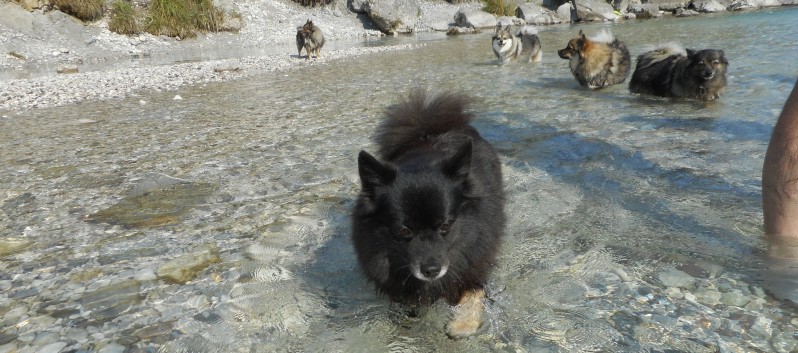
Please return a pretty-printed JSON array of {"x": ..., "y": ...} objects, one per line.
[{"x": 708, "y": 74}]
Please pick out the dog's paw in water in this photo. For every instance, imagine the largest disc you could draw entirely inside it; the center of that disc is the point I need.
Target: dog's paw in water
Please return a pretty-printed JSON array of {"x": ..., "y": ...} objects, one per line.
[{"x": 467, "y": 319}]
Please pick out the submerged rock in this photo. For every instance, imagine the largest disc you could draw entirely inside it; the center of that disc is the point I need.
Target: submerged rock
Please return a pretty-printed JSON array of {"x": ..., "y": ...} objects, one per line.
[
  {"x": 10, "y": 246},
  {"x": 675, "y": 278},
  {"x": 186, "y": 267},
  {"x": 67, "y": 69},
  {"x": 111, "y": 301},
  {"x": 155, "y": 208},
  {"x": 454, "y": 30}
]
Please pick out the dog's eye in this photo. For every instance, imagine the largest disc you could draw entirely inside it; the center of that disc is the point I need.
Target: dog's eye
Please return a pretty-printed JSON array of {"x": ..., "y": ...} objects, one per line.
[
  {"x": 715, "y": 63},
  {"x": 404, "y": 233},
  {"x": 445, "y": 228}
]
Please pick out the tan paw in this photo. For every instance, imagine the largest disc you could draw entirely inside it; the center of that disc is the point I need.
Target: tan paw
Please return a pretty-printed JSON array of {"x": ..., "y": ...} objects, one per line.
[
  {"x": 457, "y": 329},
  {"x": 467, "y": 318}
]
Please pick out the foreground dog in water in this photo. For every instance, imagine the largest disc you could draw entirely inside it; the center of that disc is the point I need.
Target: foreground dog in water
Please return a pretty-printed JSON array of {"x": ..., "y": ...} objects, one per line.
[
  {"x": 598, "y": 61},
  {"x": 672, "y": 71},
  {"x": 522, "y": 45},
  {"x": 311, "y": 38},
  {"x": 430, "y": 215}
]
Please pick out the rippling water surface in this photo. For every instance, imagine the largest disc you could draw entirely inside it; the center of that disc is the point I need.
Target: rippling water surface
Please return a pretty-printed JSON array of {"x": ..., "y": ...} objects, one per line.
[{"x": 634, "y": 223}]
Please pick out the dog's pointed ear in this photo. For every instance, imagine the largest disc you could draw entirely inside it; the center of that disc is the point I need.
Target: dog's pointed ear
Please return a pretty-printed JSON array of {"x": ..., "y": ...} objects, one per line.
[
  {"x": 372, "y": 172},
  {"x": 459, "y": 165},
  {"x": 723, "y": 57},
  {"x": 690, "y": 52}
]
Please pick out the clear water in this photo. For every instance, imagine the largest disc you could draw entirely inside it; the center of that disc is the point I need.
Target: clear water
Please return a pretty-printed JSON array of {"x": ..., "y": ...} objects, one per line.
[{"x": 606, "y": 191}]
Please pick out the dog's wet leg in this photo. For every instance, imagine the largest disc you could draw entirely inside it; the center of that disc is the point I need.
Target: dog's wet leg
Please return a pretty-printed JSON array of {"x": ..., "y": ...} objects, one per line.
[{"x": 467, "y": 315}]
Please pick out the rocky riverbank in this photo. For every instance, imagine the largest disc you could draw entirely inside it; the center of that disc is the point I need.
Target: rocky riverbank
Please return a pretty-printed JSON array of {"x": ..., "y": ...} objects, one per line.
[{"x": 50, "y": 58}]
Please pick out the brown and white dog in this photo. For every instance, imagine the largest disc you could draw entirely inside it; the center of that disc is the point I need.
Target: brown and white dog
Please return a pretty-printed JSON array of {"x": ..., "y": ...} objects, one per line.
[{"x": 598, "y": 61}]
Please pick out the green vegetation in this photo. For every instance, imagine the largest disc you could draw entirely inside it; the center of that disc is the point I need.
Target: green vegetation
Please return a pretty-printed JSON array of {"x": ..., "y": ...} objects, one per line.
[
  {"x": 174, "y": 18},
  {"x": 208, "y": 17},
  {"x": 498, "y": 8},
  {"x": 86, "y": 10},
  {"x": 16, "y": 55},
  {"x": 123, "y": 18},
  {"x": 183, "y": 18}
]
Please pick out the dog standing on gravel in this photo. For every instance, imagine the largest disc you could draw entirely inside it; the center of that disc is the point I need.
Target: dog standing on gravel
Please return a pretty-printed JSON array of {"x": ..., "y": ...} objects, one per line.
[
  {"x": 598, "y": 61},
  {"x": 522, "y": 45},
  {"x": 311, "y": 38},
  {"x": 672, "y": 71}
]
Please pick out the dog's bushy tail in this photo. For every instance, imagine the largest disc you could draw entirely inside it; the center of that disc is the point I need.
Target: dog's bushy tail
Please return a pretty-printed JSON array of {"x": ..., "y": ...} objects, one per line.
[
  {"x": 654, "y": 55},
  {"x": 603, "y": 36},
  {"x": 420, "y": 116}
]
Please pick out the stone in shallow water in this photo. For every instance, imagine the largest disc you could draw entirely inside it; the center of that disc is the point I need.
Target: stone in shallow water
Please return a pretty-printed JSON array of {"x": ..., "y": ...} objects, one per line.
[
  {"x": 112, "y": 348},
  {"x": 734, "y": 297},
  {"x": 674, "y": 278},
  {"x": 155, "y": 208},
  {"x": 186, "y": 267},
  {"x": 155, "y": 330},
  {"x": 52, "y": 347},
  {"x": 108, "y": 302},
  {"x": 9, "y": 246},
  {"x": 67, "y": 69}
]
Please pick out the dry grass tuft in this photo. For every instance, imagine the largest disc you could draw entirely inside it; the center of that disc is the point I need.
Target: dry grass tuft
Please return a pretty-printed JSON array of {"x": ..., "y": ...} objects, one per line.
[
  {"x": 86, "y": 10},
  {"x": 123, "y": 18},
  {"x": 498, "y": 7},
  {"x": 183, "y": 18}
]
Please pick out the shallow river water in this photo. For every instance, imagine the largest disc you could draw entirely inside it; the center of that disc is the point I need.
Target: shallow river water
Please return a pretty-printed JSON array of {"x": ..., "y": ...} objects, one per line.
[{"x": 219, "y": 222}]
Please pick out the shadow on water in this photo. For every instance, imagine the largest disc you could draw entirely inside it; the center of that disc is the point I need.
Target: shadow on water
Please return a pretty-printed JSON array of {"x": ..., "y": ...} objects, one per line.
[
  {"x": 734, "y": 130},
  {"x": 603, "y": 169}
]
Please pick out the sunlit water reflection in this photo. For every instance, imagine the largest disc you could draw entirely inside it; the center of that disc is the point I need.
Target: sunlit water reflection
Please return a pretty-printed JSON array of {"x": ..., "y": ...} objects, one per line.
[{"x": 634, "y": 223}]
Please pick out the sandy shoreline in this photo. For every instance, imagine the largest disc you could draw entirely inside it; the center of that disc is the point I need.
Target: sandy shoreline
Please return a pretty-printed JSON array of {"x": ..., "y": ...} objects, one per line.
[{"x": 51, "y": 91}]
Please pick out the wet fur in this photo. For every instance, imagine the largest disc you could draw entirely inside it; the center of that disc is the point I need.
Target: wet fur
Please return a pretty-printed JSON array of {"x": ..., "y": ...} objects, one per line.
[
  {"x": 597, "y": 62},
  {"x": 522, "y": 45},
  {"x": 671, "y": 71},
  {"x": 300, "y": 41},
  {"x": 311, "y": 38},
  {"x": 433, "y": 200}
]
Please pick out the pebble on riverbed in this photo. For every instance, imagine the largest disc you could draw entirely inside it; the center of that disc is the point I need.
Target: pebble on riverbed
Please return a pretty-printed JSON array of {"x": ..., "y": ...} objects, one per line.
[
  {"x": 10, "y": 245},
  {"x": 67, "y": 69},
  {"x": 186, "y": 267}
]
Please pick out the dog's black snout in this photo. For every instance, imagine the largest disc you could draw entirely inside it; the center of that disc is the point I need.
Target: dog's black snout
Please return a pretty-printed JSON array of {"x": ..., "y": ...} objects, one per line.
[{"x": 430, "y": 270}]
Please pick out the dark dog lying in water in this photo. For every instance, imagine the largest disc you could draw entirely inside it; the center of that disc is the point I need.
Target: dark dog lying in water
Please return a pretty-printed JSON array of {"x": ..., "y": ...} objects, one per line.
[{"x": 672, "y": 71}]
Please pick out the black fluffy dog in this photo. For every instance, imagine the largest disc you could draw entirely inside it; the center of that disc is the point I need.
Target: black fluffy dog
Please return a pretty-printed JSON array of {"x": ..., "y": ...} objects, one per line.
[
  {"x": 430, "y": 216},
  {"x": 671, "y": 71}
]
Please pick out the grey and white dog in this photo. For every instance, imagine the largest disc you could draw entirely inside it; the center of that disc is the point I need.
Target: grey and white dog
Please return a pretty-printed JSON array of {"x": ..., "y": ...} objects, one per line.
[
  {"x": 310, "y": 37},
  {"x": 519, "y": 45}
]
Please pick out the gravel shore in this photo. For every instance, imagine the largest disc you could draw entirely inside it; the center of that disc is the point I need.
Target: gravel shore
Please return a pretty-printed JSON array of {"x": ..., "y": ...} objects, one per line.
[
  {"x": 50, "y": 91},
  {"x": 35, "y": 43}
]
